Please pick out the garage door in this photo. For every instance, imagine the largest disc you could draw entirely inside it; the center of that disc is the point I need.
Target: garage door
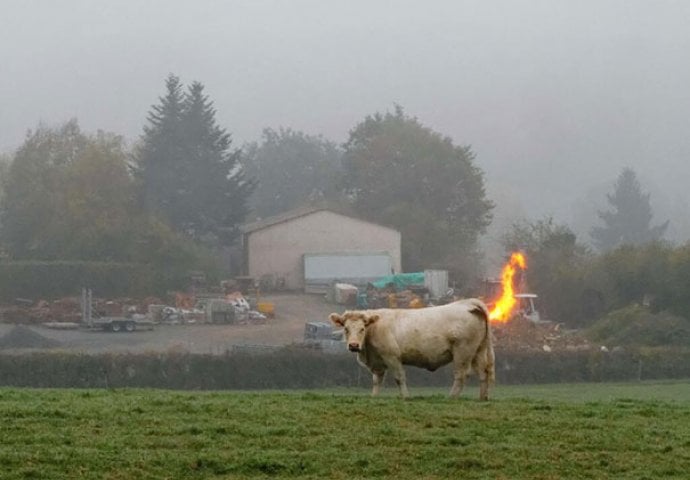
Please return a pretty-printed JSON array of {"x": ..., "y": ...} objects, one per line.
[{"x": 323, "y": 269}]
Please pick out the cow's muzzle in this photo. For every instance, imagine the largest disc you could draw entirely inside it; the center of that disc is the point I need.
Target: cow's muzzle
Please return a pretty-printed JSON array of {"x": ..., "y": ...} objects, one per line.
[{"x": 353, "y": 347}]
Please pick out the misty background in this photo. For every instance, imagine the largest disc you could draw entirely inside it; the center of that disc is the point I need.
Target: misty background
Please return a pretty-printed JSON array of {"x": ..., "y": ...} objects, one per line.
[{"x": 555, "y": 98}]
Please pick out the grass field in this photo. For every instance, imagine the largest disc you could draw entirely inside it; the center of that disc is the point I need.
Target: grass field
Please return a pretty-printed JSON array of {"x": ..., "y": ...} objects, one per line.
[{"x": 636, "y": 431}]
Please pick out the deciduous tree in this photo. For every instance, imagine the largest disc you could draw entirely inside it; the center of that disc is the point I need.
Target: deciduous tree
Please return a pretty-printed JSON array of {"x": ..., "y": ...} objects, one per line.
[
  {"x": 292, "y": 169},
  {"x": 401, "y": 173},
  {"x": 69, "y": 196},
  {"x": 33, "y": 192},
  {"x": 554, "y": 261}
]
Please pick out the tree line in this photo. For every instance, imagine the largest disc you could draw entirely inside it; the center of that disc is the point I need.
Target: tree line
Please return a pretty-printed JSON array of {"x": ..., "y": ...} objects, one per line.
[
  {"x": 180, "y": 193},
  {"x": 184, "y": 185}
]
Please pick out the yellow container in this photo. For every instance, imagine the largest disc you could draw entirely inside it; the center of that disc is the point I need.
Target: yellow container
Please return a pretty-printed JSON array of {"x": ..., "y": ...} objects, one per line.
[{"x": 267, "y": 308}]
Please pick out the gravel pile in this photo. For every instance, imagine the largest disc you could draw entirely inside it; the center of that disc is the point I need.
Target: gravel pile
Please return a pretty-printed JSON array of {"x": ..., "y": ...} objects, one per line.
[{"x": 24, "y": 337}]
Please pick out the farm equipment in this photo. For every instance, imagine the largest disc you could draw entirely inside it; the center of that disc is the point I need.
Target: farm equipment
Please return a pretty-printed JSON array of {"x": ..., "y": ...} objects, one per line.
[
  {"x": 322, "y": 335},
  {"x": 405, "y": 290},
  {"x": 526, "y": 306},
  {"x": 220, "y": 311},
  {"x": 111, "y": 323},
  {"x": 321, "y": 331},
  {"x": 526, "y": 303}
]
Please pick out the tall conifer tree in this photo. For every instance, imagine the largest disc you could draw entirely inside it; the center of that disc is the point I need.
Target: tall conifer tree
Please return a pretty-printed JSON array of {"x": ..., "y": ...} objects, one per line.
[
  {"x": 161, "y": 154},
  {"x": 628, "y": 220},
  {"x": 189, "y": 173}
]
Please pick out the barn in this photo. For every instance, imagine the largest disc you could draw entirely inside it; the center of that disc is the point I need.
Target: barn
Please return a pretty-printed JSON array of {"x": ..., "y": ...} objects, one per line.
[{"x": 309, "y": 248}]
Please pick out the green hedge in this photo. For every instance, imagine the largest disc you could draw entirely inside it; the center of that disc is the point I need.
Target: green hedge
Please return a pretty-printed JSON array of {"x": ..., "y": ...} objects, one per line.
[
  {"x": 34, "y": 279},
  {"x": 304, "y": 369}
]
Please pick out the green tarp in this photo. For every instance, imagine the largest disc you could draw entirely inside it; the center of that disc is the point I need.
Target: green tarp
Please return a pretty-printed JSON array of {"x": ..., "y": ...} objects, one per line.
[{"x": 400, "y": 280}]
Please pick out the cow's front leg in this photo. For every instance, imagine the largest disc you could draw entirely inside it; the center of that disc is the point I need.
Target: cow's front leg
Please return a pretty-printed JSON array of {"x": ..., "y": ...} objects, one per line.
[
  {"x": 398, "y": 372},
  {"x": 458, "y": 384},
  {"x": 377, "y": 376}
]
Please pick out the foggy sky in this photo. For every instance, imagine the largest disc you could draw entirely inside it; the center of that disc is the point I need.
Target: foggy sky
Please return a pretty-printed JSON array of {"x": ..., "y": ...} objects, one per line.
[{"x": 555, "y": 97}]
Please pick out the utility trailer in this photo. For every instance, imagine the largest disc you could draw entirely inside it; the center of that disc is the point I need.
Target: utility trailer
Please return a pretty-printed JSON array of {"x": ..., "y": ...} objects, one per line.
[
  {"x": 120, "y": 324},
  {"x": 110, "y": 324}
]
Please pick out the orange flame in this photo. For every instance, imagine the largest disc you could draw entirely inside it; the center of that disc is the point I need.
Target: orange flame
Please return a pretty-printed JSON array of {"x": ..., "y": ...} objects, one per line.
[{"x": 504, "y": 305}]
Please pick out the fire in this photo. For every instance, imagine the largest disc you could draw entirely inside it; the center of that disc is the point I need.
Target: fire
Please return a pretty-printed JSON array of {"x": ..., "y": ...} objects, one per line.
[{"x": 504, "y": 305}]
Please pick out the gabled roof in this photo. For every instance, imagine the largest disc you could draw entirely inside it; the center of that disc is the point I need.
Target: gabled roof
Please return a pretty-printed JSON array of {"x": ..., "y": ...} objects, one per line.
[
  {"x": 280, "y": 218},
  {"x": 293, "y": 214}
]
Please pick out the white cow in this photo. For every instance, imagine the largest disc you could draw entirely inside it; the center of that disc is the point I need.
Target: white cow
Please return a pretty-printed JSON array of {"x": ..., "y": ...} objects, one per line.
[{"x": 427, "y": 338}]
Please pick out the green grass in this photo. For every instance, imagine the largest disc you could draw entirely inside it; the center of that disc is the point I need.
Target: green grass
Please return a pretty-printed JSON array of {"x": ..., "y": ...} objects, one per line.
[{"x": 595, "y": 431}]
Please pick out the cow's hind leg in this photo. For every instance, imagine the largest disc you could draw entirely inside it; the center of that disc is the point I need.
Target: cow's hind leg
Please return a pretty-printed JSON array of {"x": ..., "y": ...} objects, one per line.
[
  {"x": 377, "y": 376},
  {"x": 483, "y": 364},
  {"x": 461, "y": 366},
  {"x": 480, "y": 366}
]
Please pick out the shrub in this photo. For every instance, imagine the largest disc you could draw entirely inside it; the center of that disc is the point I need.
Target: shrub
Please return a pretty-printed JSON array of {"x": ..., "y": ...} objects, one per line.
[
  {"x": 637, "y": 326},
  {"x": 61, "y": 278},
  {"x": 296, "y": 368}
]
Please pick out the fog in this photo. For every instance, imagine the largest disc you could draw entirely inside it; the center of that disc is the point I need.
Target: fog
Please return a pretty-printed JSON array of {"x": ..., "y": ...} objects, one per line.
[{"x": 555, "y": 97}]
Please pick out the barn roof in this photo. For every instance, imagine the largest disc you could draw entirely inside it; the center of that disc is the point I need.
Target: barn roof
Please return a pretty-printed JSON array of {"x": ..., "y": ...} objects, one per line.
[{"x": 296, "y": 213}]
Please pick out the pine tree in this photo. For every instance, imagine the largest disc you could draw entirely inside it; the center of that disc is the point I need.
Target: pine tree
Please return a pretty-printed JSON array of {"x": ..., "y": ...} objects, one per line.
[
  {"x": 161, "y": 154},
  {"x": 628, "y": 221},
  {"x": 217, "y": 188},
  {"x": 190, "y": 175}
]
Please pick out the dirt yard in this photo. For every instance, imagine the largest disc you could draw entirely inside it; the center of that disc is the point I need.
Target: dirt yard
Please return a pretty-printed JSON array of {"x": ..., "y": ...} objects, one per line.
[{"x": 291, "y": 312}]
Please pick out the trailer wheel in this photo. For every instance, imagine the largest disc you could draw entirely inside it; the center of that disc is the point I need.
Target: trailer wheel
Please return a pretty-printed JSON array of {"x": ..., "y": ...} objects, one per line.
[
  {"x": 116, "y": 326},
  {"x": 130, "y": 327}
]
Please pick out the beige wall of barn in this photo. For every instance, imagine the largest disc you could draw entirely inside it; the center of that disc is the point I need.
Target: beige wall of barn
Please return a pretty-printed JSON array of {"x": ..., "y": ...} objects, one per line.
[{"x": 278, "y": 249}]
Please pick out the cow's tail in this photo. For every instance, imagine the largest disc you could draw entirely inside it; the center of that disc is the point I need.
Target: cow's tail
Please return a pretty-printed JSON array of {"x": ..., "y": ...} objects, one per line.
[{"x": 485, "y": 353}]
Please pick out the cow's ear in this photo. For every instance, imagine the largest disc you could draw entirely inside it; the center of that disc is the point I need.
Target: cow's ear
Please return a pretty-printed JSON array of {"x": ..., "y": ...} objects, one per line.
[
  {"x": 370, "y": 319},
  {"x": 336, "y": 319}
]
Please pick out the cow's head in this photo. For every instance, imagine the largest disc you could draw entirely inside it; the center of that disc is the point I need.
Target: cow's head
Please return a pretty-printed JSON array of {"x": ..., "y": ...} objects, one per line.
[{"x": 354, "y": 326}]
